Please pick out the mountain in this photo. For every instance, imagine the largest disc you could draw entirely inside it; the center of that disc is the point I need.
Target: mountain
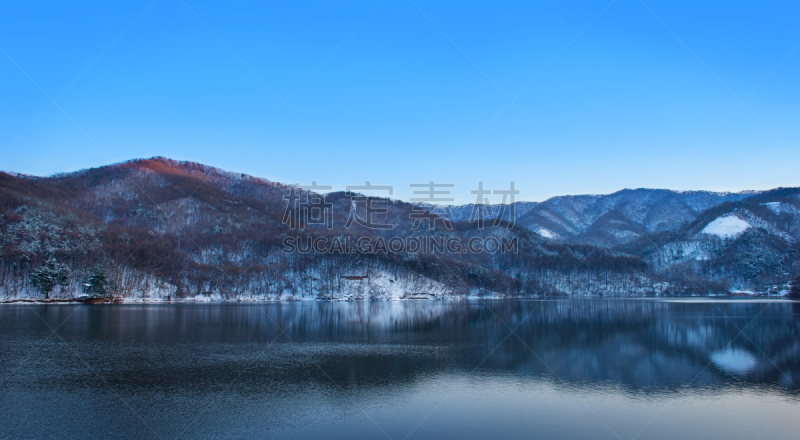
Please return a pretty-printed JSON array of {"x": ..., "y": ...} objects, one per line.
[
  {"x": 621, "y": 217},
  {"x": 162, "y": 229},
  {"x": 464, "y": 213},
  {"x": 152, "y": 229},
  {"x": 749, "y": 243},
  {"x": 611, "y": 220}
]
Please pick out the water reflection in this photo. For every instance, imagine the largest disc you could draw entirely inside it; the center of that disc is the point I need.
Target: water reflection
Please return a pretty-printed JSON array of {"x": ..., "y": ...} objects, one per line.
[
  {"x": 636, "y": 343},
  {"x": 357, "y": 353}
]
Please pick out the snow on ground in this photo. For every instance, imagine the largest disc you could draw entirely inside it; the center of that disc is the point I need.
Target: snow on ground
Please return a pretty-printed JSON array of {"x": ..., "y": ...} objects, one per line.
[
  {"x": 726, "y": 226},
  {"x": 624, "y": 234},
  {"x": 545, "y": 233},
  {"x": 385, "y": 286},
  {"x": 743, "y": 292},
  {"x": 774, "y": 207}
]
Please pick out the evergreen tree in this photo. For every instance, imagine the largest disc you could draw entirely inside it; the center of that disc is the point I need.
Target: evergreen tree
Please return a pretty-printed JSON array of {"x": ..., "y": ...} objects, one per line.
[
  {"x": 48, "y": 276},
  {"x": 98, "y": 284}
]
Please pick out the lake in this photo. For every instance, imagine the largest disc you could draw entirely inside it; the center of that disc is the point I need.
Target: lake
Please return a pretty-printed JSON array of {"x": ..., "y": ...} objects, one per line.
[{"x": 605, "y": 368}]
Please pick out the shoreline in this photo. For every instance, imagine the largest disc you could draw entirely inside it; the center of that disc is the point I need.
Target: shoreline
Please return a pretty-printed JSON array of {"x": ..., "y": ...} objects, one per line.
[{"x": 125, "y": 301}]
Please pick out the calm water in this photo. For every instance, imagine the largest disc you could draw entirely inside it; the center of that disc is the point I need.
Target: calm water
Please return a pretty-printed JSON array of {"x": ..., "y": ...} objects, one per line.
[{"x": 570, "y": 369}]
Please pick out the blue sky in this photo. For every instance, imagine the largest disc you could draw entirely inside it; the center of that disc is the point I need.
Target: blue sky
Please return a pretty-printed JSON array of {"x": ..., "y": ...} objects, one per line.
[{"x": 606, "y": 95}]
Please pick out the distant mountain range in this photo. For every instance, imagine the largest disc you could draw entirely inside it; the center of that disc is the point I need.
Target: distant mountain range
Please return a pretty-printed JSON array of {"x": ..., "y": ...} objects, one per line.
[
  {"x": 749, "y": 239},
  {"x": 162, "y": 229},
  {"x": 613, "y": 219}
]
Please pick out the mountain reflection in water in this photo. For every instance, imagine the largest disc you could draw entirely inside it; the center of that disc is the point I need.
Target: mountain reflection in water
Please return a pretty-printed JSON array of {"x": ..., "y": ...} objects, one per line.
[{"x": 377, "y": 368}]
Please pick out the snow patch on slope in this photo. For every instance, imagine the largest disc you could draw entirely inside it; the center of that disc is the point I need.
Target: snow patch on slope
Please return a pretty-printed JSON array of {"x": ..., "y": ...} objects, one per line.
[
  {"x": 545, "y": 233},
  {"x": 726, "y": 226},
  {"x": 774, "y": 207}
]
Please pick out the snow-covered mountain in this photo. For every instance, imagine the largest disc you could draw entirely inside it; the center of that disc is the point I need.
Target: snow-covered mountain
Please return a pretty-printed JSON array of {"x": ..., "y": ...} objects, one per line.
[
  {"x": 160, "y": 228},
  {"x": 621, "y": 217},
  {"x": 746, "y": 241},
  {"x": 471, "y": 211},
  {"x": 609, "y": 220},
  {"x": 750, "y": 243}
]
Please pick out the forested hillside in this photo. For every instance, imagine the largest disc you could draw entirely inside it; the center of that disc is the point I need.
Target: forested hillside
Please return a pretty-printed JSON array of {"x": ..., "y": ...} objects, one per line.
[
  {"x": 748, "y": 244},
  {"x": 162, "y": 229},
  {"x": 159, "y": 228}
]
